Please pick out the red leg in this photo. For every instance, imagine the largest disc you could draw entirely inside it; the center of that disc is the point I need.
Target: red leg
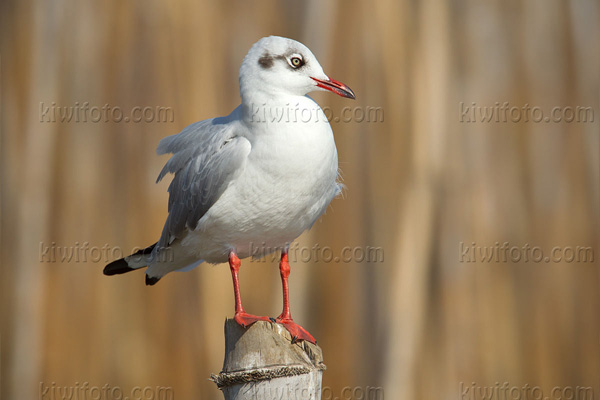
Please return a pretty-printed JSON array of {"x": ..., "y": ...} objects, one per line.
[
  {"x": 241, "y": 317},
  {"x": 297, "y": 332}
]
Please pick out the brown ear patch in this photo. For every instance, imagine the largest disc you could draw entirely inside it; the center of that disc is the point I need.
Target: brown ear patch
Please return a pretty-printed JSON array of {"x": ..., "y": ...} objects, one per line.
[{"x": 265, "y": 61}]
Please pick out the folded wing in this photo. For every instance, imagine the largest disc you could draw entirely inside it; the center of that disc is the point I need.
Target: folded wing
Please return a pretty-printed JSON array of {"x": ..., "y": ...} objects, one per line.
[{"x": 207, "y": 156}]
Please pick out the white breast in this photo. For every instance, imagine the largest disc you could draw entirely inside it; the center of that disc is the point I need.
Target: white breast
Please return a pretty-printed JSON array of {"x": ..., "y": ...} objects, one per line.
[{"x": 287, "y": 183}]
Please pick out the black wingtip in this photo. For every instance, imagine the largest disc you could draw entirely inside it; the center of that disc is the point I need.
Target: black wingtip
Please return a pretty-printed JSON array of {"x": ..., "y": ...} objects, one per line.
[
  {"x": 120, "y": 266},
  {"x": 117, "y": 267},
  {"x": 145, "y": 251},
  {"x": 151, "y": 280}
]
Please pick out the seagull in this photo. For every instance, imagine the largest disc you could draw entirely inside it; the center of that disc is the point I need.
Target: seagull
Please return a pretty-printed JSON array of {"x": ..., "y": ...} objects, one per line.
[{"x": 250, "y": 183}]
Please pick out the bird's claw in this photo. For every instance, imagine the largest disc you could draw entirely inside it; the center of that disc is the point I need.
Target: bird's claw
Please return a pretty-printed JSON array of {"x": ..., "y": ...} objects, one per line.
[{"x": 298, "y": 333}]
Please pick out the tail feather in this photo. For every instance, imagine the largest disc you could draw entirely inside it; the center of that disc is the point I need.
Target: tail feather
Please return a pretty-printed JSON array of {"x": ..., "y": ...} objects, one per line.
[
  {"x": 146, "y": 251},
  {"x": 122, "y": 265}
]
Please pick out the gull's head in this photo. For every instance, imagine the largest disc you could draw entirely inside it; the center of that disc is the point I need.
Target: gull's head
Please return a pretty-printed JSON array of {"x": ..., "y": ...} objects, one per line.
[{"x": 277, "y": 65}]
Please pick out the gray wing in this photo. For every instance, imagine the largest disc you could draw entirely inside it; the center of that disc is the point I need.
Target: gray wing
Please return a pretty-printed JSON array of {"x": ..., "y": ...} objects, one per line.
[{"x": 206, "y": 157}]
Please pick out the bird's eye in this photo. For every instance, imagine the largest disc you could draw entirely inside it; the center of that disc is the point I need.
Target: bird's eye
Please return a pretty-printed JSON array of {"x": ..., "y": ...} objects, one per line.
[{"x": 296, "y": 62}]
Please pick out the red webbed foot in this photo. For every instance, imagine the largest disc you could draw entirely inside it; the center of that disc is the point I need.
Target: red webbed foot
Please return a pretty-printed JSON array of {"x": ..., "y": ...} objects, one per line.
[
  {"x": 245, "y": 320},
  {"x": 298, "y": 333}
]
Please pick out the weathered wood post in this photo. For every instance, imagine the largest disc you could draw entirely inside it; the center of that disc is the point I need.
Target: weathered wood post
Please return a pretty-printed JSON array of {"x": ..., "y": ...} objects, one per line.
[{"x": 262, "y": 363}]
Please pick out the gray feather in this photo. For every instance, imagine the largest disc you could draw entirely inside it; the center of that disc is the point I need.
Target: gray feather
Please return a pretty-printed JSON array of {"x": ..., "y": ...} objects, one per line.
[{"x": 207, "y": 155}]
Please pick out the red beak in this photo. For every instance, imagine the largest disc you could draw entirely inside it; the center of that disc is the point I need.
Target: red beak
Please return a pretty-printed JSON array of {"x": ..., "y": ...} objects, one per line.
[{"x": 336, "y": 87}]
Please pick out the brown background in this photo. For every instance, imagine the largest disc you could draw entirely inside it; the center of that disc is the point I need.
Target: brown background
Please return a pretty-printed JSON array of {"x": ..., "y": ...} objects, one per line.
[{"x": 418, "y": 184}]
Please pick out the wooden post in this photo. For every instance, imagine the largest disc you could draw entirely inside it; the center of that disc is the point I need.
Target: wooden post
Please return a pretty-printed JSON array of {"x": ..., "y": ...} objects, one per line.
[{"x": 261, "y": 363}]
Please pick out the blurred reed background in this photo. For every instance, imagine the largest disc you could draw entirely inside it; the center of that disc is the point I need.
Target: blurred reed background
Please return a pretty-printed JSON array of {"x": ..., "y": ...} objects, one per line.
[{"x": 418, "y": 184}]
